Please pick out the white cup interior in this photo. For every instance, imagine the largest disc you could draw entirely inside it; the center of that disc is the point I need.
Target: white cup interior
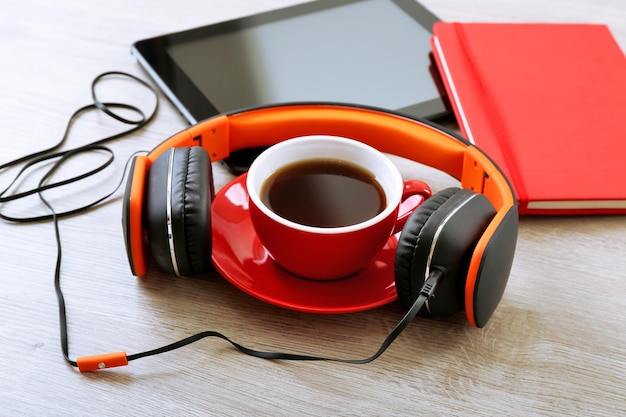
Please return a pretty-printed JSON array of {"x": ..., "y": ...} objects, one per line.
[{"x": 316, "y": 147}]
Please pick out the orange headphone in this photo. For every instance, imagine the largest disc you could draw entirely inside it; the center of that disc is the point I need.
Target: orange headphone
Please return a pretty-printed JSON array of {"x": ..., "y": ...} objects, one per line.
[{"x": 468, "y": 233}]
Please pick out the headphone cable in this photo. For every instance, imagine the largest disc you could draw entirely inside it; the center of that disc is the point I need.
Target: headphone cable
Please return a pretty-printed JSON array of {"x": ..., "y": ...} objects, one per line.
[
  {"x": 61, "y": 157},
  {"x": 39, "y": 157},
  {"x": 98, "y": 362}
]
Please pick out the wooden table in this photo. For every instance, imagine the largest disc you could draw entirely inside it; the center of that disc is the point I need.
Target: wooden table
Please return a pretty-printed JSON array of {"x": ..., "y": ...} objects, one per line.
[{"x": 555, "y": 346}]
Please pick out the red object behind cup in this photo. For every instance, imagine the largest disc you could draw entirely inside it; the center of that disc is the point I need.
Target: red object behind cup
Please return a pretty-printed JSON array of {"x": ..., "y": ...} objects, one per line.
[{"x": 330, "y": 253}]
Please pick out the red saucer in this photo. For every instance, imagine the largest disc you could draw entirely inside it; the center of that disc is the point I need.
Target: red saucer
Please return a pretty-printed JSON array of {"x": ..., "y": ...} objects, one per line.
[{"x": 241, "y": 259}]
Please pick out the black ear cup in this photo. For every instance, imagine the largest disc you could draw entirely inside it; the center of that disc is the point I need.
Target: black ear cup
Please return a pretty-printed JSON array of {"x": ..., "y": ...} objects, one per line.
[
  {"x": 441, "y": 234},
  {"x": 179, "y": 192}
]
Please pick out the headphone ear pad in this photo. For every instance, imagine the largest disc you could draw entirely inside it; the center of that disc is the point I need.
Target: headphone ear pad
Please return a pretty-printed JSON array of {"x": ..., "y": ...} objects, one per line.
[
  {"x": 180, "y": 187},
  {"x": 441, "y": 234}
]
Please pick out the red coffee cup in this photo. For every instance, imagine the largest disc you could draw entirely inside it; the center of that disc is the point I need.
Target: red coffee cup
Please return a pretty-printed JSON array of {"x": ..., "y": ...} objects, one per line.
[{"x": 328, "y": 252}]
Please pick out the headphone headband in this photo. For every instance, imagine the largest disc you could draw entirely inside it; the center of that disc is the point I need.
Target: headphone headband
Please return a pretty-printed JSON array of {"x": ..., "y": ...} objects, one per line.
[{"x": 386, "y": 131}]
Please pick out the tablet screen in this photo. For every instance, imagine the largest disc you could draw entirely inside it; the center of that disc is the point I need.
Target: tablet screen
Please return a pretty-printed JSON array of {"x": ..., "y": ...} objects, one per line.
[{"x": 363, "y": 52}]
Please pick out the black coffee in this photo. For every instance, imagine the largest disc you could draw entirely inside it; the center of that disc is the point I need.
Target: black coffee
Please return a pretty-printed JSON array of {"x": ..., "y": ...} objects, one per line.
[{"x": 323, "y": 193}]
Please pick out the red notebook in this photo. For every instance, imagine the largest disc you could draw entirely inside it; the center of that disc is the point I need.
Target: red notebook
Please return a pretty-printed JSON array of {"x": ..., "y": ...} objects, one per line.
[{"x": 547, "y": 102}]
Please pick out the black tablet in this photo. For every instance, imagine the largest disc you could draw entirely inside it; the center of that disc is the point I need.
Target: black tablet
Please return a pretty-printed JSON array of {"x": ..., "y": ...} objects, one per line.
[{"x": 363, "y": 52}]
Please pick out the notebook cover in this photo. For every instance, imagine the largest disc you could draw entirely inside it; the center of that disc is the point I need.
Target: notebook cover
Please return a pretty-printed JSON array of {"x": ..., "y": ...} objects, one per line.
[{"x": 547, "y": 103}]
